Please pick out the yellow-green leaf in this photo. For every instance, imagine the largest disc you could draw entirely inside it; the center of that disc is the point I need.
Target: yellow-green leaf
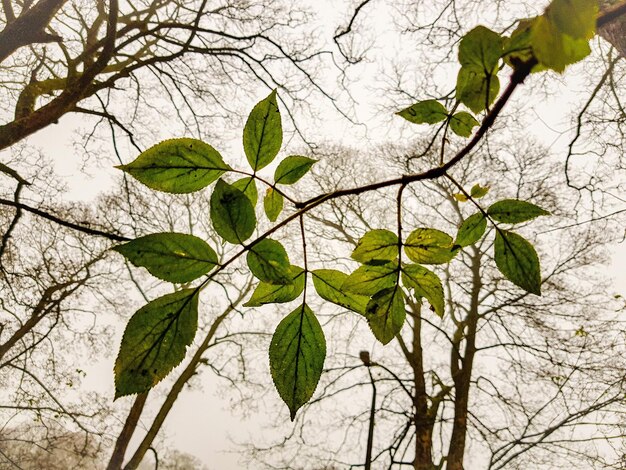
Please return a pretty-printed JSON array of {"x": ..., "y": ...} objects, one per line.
[
  {"x": 429, "y": 246},
  {"x": 177, "y": 166},
  {"x": 424, "y": 112}
]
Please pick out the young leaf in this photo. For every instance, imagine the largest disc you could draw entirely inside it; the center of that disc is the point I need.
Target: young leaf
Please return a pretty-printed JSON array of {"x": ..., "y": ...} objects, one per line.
[
  {"x": 514, "y": 211},
  {"x": 263, "y": 133},
  {"x": 424, "y": 283},
  {"x": 292, "y": 168},
  {"x": 425, "y": 112},
  {"x": 155, "y": 341},
  {"x": 273, "y": 204},
  {"x": 460, "y": 197},
  {"x": 429, "y": 246},
  {"x": 462, "y": 124},
  {"x": 471, "y": 230},
  {"x": 247, "y": 186},
  {"x": 232, "y": 213},
  {"x": 328, "y": 284},
  {"x": 269, "y": 262},
  {"x": 369, "y": 279},
  {"x": 554, "y": 49},
  {"x": 475, "y": 89},
  {"x": 517, "y": 260},
  {"x": 376, "y": 247},
  {"x": 577, "y": 18},
  {"x": 518, "y": 47},
  {"x": 481, "y": 49},
  {"x": 385, "y": 313},
  {"x": 266, "y": 293},
  {"x": 479, "y": 191},
  {"x": 173, "y": 257},
  {"x": 177, "y": 166},
  {"x": 297, "y": 354}
]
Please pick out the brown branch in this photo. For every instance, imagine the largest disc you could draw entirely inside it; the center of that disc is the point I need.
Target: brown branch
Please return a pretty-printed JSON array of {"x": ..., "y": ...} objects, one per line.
[
  {"x": 63, "y": 222},
  {"x": 29, "y": 27},
  {"x": 16, "y": 130},
  {"x": 121, "y": 444},
  {"x": 611, "y": 14}
]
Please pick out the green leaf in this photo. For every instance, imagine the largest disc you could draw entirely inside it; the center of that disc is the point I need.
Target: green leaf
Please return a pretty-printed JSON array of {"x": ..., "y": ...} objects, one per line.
[
  {"x": 462, "y": 124},
  {"x": 376, "y": 247},
  {"x": 269, "y": 262},
  {"x": 429, "y": 246},
  {"x": 471, "y": 230},
  {"x": 518, "y": 48},
  {"x": 424, "y": 283},
  {"x": 514, "y": 211},
  {"x": 385, "y": 313},
  {"x": 481, "y": 49},
  {"x": 577, "y": 18},
  {"x": 297, "y": 354},
  {"x": 472, "y": 86},
  {"x": 517, "y": 260},
  {"x": 425, "y": 112},
  {"x": 369, "y": 279},
  {"x": 460, "y": 197},
  {"x": 266, "y": 293},
  {"x": 292, "y": 168},
  {"x": 328, "y": 284},
  {"x": 247, "y": 186},
  {"x": 173, "y": 257},
  {"x": 177, "y": 166},
  {"x": 479, "y": 191},
  {"x": 232, "y": 213},
  {"x": 554, "y": 49},
  {"x": 263, "y": 133},
  {"x": 155, "y": 341},
  {"x": 273, "y": 204}
]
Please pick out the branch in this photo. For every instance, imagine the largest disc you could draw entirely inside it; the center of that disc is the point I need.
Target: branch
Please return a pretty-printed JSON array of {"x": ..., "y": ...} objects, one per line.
[
  {"x": 64, "y": 223},
  {"x": 611, "y": 14},
  {"x": 29, "y": 27}
]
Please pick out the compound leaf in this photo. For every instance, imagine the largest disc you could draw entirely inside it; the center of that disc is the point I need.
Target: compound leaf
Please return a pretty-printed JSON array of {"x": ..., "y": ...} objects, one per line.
[
  {"x": 269, "y": 262},
  {"x": 517, "y": 260},
  {"x": 514, "y": 211},
  {"x": 297, "y": 354},
  {"x": 263, "y": 133},
  {"x": 292, "y": 168},
  {"x": 328, "y": 284},
  {"x": 177, "y": 166},
  {"x": 266, "y": 293},
  {"x": 462, "y": 123},
  {"x": 476, "y": 89},
  {"x": 481, "y": 49},
  {"x": 424, "y": 283},
  {"x": 232, "y": 213},
  {"x": 370, "y": 279},
  {"x": 386, "y": 314},
  {"x": 429, "y": 246},
  {"x": 425, "y": 112},
  {"x": 273, "y": 204},
  {"x": 247, "y": 186},
  {"x": 173, "y": 257},
  {"x": 155, "y": 341},
  {"x": 471, "y": 230},
  {"x": 376, "y": 247}
]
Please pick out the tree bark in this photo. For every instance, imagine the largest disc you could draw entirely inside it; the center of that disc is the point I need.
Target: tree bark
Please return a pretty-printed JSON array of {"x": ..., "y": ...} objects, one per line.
[{"x": 463, "y": 375}]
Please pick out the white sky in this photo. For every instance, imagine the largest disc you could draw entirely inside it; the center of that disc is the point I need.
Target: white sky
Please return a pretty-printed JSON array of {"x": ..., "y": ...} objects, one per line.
[{"x": 201, "y": 422}]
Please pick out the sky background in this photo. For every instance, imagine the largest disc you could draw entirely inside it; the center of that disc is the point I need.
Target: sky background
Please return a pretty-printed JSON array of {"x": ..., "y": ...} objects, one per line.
[{"x": 202, "y": 421}]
